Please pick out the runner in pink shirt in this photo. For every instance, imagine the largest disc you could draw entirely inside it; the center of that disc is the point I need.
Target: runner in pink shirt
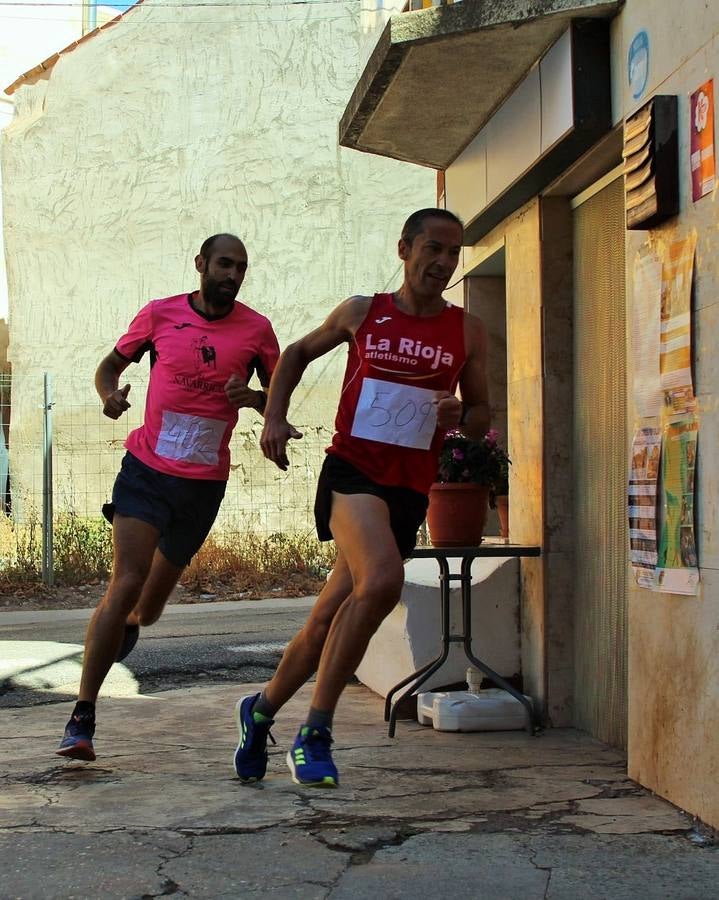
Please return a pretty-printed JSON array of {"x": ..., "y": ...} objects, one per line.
[{"x": 204, "y": 347}]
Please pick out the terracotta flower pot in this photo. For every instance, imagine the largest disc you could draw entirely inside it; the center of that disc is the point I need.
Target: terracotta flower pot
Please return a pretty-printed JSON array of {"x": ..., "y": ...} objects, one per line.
[
  {"x": 457, "y": 514},
  {"x": 502, "y": 506}
]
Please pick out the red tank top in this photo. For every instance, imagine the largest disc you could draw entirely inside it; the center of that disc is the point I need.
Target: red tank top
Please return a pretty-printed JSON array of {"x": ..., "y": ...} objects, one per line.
[{"x": 386, "y": 423}]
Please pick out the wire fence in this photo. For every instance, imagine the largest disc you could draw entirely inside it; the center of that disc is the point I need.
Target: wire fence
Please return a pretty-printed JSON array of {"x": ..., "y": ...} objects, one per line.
[{"x": 59, "y": 456}]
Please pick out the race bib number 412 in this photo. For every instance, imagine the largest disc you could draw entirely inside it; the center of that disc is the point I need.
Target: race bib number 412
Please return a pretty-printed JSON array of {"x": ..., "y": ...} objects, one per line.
[{"x": 398, "y": 414}]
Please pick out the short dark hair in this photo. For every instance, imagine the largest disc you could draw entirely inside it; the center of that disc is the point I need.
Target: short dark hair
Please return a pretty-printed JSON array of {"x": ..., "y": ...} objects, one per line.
[
  {"x": 415, "y": 224},
  {"x": 206, "y": 248}
]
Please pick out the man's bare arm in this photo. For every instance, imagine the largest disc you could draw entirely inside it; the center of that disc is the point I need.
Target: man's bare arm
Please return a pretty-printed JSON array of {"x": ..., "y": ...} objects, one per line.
[
  {"x": 240, "y": 396},
  {"x": 339, "y": 327},
  {"x": 107, "y": 379}
]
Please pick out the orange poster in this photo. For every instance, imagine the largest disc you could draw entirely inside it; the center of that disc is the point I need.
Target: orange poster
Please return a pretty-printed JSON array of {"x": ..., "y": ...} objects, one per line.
[
  {"x": 703, "y": 157},
  {"x": 676, "y": 328}
]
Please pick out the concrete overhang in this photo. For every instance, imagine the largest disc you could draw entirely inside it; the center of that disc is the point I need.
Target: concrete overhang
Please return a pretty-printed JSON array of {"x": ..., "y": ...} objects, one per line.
[{"x": 436, "y": 76}]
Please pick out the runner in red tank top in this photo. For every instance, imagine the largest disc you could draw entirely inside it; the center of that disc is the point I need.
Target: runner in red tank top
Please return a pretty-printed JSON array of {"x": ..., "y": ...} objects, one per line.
[
  {"x": 387, "y": 417},
  {"x": 408, "y": 352}
]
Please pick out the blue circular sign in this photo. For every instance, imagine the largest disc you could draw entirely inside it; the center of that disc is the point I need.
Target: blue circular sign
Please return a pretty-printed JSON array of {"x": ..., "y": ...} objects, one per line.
[{"x": 638, "y": 64}]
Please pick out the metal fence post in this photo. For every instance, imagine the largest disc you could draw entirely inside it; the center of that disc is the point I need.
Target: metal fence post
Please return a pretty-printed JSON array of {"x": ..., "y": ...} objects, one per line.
[{"x": 47, "y": 511}]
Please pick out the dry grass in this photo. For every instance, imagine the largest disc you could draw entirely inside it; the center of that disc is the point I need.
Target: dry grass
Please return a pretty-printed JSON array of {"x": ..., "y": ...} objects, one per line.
[
  {"x": 241, "y": 564},
  {"x": 256, "y": 565},
  {"x": 82, "y": 550}
]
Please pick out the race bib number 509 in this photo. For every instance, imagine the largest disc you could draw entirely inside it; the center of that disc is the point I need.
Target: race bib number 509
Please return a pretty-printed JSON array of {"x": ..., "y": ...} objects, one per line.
[{"x": 398, "y": 414}]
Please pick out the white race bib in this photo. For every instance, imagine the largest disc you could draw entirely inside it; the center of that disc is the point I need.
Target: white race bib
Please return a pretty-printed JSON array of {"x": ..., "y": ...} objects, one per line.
[
  {"x": 191, "y": 439},
  {"x": 398, "y": 414}
]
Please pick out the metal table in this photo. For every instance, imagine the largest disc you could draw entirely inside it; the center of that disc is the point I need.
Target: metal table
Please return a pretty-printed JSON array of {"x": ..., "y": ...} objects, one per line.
[{"x": 468, "y": 556}]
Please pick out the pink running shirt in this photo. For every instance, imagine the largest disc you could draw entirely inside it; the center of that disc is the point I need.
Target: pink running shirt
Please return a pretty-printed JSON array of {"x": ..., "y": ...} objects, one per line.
[{"x": 188, "y": 420}]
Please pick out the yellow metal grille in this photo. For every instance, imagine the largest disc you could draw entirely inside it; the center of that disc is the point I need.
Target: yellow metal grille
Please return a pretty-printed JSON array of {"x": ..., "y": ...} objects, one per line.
[{"x": 600, "y": 428}]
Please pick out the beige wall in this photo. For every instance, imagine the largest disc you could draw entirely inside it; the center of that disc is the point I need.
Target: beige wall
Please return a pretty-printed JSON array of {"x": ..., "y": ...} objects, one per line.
[
  {"x": 677, "y": 33},
  {"x": 521, "y": 236},
  {"x": 485, "y": 297},
  {"x": 559, "y": 534},
  {"x": 152, "y": 135},
  {"x": 673, "y": 640}
]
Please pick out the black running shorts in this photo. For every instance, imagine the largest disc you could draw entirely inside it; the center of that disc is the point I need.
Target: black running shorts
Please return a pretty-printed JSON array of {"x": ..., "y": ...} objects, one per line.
[
  {"x": 407, "y": 508},
  {"x": 182, "y": 509}
]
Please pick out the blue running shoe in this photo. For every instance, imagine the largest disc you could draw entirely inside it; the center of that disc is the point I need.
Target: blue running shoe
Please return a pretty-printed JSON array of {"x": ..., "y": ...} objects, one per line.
[
  {"x": 310, "y": 760},
  {"x": 132, "y": 633},
  {"x": 251, "y": 752},
  {"x": 77, "y": 741}
]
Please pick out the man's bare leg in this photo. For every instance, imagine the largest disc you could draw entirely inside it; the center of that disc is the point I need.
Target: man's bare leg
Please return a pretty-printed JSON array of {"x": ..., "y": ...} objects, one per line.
[
  {"x": 300, "y": 660},
  {"x": 361, "y": 529},
  {"x": 360, "y": 525},
  {"x": 160, "y": 583},
  {"x": 302, "y": 655},
  {"x": 134, "y": 545}
]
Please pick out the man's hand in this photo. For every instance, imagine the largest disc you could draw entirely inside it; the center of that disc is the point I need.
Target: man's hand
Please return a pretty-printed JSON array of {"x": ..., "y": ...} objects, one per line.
[
  {"x": 273, "y": 441},
  {"x": 449, "y": 410},
  {"x": 116, "y": 403},
  {"x": 240, "y": 396}
]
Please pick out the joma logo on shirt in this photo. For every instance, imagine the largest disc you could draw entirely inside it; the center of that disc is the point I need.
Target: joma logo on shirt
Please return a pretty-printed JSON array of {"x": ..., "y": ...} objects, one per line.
[{"x": 410, "y": 350}]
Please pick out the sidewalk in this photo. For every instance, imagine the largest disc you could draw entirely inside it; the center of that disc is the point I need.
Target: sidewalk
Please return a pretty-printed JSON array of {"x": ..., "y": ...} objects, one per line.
[{"x": 475, "y": 816}]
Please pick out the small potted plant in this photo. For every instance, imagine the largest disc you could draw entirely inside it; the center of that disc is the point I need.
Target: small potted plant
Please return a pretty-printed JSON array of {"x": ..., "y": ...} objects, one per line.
[
  {"x": 458, "y": 500},
  {"x": 499, "y": 491}
]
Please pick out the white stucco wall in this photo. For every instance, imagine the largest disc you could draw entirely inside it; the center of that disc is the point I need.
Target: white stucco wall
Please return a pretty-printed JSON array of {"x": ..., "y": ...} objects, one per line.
[
  {"x": 154, "y": 134},
  {"x": 7, "y": 110},
  {"x": 29, "y": 33}
]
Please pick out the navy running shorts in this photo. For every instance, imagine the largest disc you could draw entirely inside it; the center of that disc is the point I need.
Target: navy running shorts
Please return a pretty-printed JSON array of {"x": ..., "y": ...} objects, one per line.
[
  {"x": 182, "y": 509},
  {"x": 407, "y": 508}
]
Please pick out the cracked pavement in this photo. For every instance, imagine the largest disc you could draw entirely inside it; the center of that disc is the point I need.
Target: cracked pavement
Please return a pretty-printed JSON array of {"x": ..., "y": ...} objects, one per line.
[{"x": 495, "y": 816}]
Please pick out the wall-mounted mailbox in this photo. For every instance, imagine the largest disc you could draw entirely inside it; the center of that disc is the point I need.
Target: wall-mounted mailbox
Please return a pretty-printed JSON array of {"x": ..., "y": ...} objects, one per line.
[{"x": 651, "y": 163}]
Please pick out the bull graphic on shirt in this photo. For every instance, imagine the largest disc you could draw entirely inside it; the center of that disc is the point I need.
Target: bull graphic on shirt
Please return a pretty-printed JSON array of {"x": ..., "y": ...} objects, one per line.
[{"x": 205, "y": 353}]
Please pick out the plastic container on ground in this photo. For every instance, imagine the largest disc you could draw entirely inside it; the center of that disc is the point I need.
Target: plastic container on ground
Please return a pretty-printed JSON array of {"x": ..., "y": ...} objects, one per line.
[{"x": 489, "y": 710}]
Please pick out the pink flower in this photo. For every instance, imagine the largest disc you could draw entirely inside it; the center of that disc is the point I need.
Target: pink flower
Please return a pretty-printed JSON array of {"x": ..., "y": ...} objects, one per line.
[
  {"x": 457, "y": 454},
  {"x": 492, "y": 436}
]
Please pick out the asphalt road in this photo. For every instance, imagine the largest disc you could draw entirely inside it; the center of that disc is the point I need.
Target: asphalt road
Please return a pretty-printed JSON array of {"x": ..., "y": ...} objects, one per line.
[{"x": 40, "y": 652}]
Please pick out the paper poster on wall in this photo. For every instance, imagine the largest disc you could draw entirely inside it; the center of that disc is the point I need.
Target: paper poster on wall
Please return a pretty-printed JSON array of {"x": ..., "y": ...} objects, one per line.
[
  {"x": 642, "y": 505},
  {"x": 676, "y": 328},
  {"x": 703, "y": 156},
  {"x": 645, "y": 332},
  {"x": 679, "y": 402},
  {"x": 677, "y": 564}
]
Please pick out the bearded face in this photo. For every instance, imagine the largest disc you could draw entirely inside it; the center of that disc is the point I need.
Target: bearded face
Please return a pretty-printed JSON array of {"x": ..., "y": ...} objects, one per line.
[{"x": 222, "y": 273}]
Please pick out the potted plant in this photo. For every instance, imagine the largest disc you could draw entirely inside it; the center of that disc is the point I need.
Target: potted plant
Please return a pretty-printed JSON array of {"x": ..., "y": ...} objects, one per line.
[{"x": 458, "y": 500}]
